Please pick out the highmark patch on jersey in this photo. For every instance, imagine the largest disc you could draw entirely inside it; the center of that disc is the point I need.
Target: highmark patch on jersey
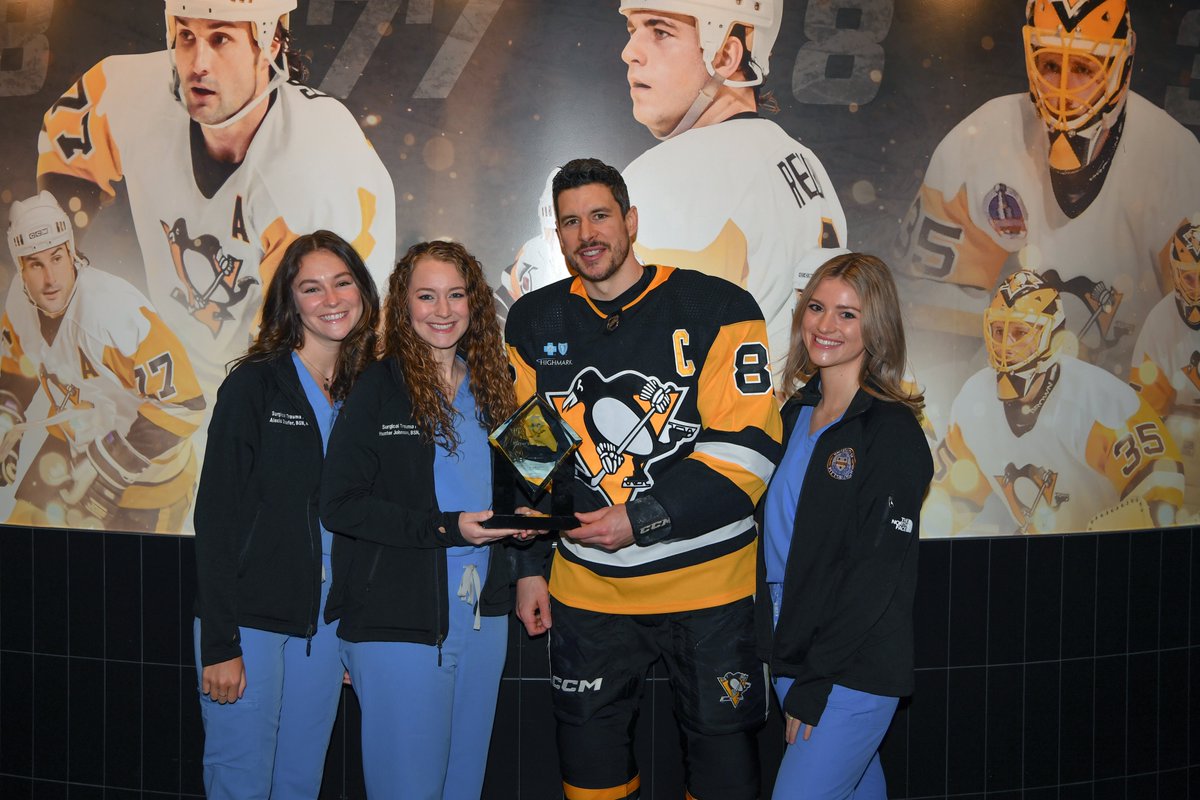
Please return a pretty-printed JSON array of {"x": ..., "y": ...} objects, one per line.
[{"x": 628, "y": 421}]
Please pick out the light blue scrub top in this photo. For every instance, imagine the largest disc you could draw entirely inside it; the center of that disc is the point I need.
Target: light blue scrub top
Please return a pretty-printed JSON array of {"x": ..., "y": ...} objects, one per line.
[
  {"x": 463, "y": 480},
  {"x": 326, "y": 415},
  {"x": 779, "y": 512}
]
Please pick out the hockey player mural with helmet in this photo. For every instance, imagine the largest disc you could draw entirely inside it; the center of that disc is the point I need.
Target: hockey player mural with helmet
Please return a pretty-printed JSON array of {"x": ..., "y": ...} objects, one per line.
[
  {"x": 1079, "y": 172},
  {"x": 90, "y": 371},
  {"x": 725, "y": 192},
  {"x": 1061, "y": 444},
  {"x": 225, "y": 162},
  {"x": 1166, "y": 359}
]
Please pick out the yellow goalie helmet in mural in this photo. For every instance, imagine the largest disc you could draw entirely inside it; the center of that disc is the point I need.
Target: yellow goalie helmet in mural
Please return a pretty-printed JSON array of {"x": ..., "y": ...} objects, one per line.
[
  {"x": 1185, "y": 271},
  {"x": 1078, "y": 54},
  {"x": 1019, "y": 327}
]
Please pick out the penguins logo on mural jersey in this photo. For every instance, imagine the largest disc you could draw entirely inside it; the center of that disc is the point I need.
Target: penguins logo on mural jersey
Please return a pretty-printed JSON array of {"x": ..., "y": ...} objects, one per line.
[
  {"x": 1029, "y": 492},
  {"x": 627, "y": 422},
  {"x": 215, "y": 286}
]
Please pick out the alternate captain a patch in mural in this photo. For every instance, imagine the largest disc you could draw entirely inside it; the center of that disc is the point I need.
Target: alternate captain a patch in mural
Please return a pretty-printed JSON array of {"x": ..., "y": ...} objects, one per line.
[
  {"x": 225, "y": 162},
  {"x": 628, "y": 422}
]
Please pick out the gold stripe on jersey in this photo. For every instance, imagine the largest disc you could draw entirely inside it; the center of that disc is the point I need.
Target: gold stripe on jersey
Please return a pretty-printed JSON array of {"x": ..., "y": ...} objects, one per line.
[
  {"x": 746, "y": 468},
  {"x": 14, "y": 361},
  {"x": 610, "y": 793},
  {"x": 726, "y": 256},
  {"x": 526, "y": 382},
  {"x": 74, "y": 122},
  {"x": 724, "y": 406},
  {"x": 661, "y": 273},
  {"x": 711, "y": 583},
  {"x": 164, "y": 494},
  {"x": 274, "y": 240},
  {"x": 1154, "y": 385},
  {"x": 1139, "y": 458},
  {"x": 364, "y": 242},
  {"x": 975, "y": 259}
]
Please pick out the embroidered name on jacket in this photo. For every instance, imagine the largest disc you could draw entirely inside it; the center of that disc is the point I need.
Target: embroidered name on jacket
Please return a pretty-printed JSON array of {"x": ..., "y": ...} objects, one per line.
[
  {"x": 398, "y": 429},
  {"x": 284, "y": 418},
  {"x": 840, "y": 465}
]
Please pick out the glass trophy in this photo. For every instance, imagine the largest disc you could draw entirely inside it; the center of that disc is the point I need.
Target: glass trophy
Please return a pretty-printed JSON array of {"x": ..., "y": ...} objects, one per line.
[{"x": 533, "y": 450}]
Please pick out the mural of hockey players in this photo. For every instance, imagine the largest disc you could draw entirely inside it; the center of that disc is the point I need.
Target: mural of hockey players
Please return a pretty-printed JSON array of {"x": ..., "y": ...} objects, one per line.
[
  {"x": 1078, "y": 172},
  {"x": 224, "y": 160},
  {"x": 1166, "y": 359},
  {"x": 121, "y": 398},
  {"x": 540, "y": 261},
  {"x": 725, "y": 191},
  {"x": 1062, "y": 444}
]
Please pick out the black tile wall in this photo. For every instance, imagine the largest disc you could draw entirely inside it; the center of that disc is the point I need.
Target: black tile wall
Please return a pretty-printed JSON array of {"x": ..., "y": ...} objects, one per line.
[{"x": 1048, "y": 667}]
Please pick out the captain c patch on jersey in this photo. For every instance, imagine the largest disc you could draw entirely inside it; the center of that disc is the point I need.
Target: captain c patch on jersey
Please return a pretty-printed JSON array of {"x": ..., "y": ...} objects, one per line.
[{"x": 627, "y": 422}]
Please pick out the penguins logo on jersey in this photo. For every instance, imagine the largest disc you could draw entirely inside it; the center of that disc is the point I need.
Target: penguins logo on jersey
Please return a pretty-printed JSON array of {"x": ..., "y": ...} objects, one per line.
[
  {"x": 1031, "y": 498},
  {"x": 208, "y": 274},
  {"x": 1192, "y": 369},
  {"x": 628, "y": 422}
]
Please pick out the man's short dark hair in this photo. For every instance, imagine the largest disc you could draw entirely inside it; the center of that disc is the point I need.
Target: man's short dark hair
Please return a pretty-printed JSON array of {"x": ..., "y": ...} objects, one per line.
[{"x": 586, "y": 171}]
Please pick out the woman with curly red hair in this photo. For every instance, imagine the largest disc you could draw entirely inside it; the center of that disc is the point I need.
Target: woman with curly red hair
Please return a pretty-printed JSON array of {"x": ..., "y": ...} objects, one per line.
[{"x": 420, "y": 586}]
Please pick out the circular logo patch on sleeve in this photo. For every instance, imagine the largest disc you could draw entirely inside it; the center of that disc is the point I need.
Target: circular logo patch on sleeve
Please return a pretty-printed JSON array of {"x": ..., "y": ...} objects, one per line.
[{"x": 840, "y": 465}]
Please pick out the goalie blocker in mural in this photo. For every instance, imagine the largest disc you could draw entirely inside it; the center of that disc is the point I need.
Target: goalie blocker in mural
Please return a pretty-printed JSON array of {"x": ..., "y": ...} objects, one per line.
[
  {"x": 120, "y": 399},
  {"x": 663, "y": 372},
  {"x": 726, "y": 192},
  {"x": 1079, "y": 173},
  {"x": 1062, "y": 444},
  {"x": 225, "y": 162},
  {"x": 1166, "y": 360}
]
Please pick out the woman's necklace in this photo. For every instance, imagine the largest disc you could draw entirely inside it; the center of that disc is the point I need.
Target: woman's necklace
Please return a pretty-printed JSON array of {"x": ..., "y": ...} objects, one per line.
[{"x": 316, "y": 373}]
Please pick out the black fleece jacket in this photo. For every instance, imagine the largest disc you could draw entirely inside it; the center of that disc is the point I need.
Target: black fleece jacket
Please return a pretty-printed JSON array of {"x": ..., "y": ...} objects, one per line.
[
  {"x": 846, "y": 613},
  {"x": 389, "y": 549},
  {"x": 258, "y": 540}
]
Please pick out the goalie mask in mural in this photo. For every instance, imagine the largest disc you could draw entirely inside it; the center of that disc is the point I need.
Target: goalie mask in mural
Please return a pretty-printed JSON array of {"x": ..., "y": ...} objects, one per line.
[
  {"x": 1185, "y": 271},
  {"x": 1019, "y": 328},
  {"x": 1078, "y": 56}
]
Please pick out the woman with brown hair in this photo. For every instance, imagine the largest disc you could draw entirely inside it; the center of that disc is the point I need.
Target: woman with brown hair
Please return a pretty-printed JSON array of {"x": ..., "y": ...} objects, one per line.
[
  {"x": 270, "y": 675},
  {"x": 840, "y": 527},
  {"x": 420, "y": 586}
]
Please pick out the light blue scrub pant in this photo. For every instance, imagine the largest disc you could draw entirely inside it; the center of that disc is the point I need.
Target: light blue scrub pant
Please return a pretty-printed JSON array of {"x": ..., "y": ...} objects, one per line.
[
  {"x": 272, "y": 742},
  {"x": 840, "y": 760},
  {"x": 426, "y": 727}
]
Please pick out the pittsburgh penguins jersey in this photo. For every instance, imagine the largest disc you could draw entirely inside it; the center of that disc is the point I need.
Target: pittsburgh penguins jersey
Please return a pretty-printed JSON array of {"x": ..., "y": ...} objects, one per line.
[
  {"x": 1093, "y": 443},
  {"x": 1166, "y": 371},
  {"x": 741, "y": 200},
  {"x": 672, "y": 398},
  {"x": 987, "y": 196},
  {"x": 211, "y": 241},
  {"x": 111, "y": 365}
]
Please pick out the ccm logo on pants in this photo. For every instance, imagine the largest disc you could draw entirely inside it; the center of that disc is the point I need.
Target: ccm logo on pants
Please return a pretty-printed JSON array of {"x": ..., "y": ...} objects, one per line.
[{"x": 572, "y": 685}]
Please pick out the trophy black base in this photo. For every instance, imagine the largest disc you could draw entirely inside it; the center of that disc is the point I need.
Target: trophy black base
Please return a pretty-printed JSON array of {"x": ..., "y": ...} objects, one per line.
[{"x": 540, "y": 522}]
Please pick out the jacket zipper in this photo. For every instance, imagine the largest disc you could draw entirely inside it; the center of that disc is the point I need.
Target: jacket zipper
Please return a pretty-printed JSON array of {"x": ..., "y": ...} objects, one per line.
[
  {"x": 887, "y": 512},
  {"x": 438, "y": 575},
  {"x": 314, "y": 602}
]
